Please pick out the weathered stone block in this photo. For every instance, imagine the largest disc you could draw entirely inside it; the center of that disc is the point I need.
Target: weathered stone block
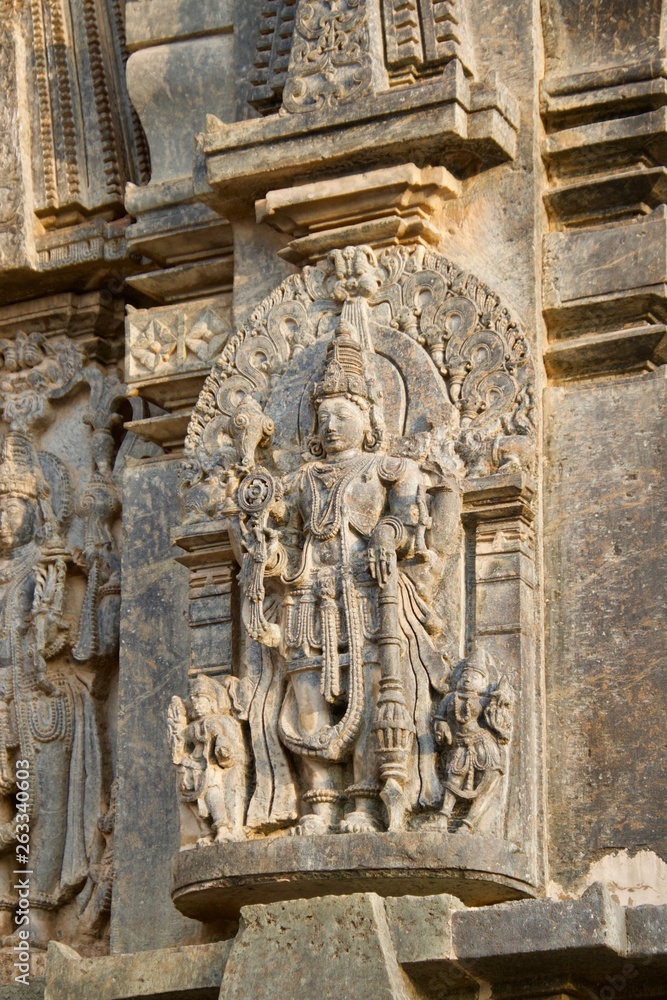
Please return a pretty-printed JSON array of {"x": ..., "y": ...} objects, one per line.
[
  {"x": 327, "y": 947},
  {"x": 193, "y": 973}
]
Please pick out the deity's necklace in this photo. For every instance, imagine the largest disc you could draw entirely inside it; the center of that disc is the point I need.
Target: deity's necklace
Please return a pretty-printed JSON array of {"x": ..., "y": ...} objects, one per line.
[
  {"x": 325, "y": 524},
  {"x": 14, "y": 573}
]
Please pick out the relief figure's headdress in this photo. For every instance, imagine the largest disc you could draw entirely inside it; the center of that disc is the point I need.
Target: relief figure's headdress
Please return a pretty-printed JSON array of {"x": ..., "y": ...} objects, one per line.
[
  {"x": 22, "y": 475},
  {"x": 344, "y": 373},
  {"x": 18, "y": 469}
]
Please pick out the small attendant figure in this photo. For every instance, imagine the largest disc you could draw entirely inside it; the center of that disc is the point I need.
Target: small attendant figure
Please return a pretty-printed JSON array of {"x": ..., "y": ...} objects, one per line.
[
  {"x": 209, "y": 750},
  {"x": 472, "y": 725}
]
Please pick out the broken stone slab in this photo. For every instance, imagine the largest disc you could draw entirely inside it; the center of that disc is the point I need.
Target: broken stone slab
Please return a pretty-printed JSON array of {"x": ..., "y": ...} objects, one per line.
[
  {"x": 190, "y": 973},
  {"x": 421, "y": 929},
  {"x": 402, "y": 948},
  {"x": 647, "y": 935},
  {"x": 17, "y": 991}
]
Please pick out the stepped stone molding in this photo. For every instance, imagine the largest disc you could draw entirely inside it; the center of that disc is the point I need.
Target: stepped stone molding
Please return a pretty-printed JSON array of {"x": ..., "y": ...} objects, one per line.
[
  {"x": 433, "y": 944},
  {"x": 604, "y": 261},
  {"x": 379, "y": 208},
  {"x": 323, "y": 66}
]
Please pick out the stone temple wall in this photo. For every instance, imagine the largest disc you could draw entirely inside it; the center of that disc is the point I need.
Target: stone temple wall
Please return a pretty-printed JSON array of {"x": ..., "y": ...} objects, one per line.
[{"x": 333, "y": 408}]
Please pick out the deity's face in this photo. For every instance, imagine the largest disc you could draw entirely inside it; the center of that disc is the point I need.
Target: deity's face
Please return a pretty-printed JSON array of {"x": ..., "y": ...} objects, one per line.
[
  {"x": 471, "y": 681},
  {"x": 342, "y": 425},
  {"x": 17, "y": 522},
  {"x": 201, "y": 705}
]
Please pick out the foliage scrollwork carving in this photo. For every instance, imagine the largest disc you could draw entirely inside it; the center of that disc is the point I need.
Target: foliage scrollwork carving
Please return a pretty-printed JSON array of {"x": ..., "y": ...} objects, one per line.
[
  {"x": 330, "y": 61},
  {"x": 477, "y": 347}
]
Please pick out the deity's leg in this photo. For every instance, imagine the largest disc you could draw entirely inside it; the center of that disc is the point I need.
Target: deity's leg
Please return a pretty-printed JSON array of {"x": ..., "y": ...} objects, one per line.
[
  {"x": 487, "y": 784},
  {"x": 440, "y": 820},
  {"x": 365, "y": 791},
  {"x": 48, "y": 837},
  {"x": 321, "y": 779},
  {"x": 217, "y": 810}
]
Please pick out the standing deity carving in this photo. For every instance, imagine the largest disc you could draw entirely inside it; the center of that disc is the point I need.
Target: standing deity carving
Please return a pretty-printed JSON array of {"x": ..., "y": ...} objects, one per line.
[
  {"x": 473, "y": 724},
  {"x": 58, "y": 632},
  {"x": 364, "y": 395}
]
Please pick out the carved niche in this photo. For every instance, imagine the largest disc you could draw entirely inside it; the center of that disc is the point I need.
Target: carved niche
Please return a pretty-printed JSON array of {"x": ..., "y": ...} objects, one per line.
[
  {"x": 334, "y": 462},
  {"x": 59, "y": 619}
]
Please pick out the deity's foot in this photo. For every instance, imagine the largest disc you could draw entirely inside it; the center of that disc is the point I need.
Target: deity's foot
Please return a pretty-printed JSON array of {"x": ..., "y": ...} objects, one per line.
[
  {"x": 359, "y": 822},
  {"x": 437, "y": 821},
  {"x": 310, "y": 826},
  {"x": 204, "y": 842},
  {"x": 224, "y": 836}
]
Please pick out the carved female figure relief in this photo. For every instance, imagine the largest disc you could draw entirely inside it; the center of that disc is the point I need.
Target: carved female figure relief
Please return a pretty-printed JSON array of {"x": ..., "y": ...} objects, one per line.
[
  {"x": 48, "y": 716},
  {"x": 58, "y": 633},
  {"x": 209, "y": 750},
  {"x": 329, "y": 494},
  {"x": 473, "y": 724}
]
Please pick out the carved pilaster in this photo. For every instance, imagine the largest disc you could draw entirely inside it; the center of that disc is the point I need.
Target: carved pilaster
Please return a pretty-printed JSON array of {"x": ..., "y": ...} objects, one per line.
[
  {"x": 213, "y": 604},
  {"x": 12, "y": 209},
  {"x": 70, "y": 141},
  {"x": 498, "y": 514}
]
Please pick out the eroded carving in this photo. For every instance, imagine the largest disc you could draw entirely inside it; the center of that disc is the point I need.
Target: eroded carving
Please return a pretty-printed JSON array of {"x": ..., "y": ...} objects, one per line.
[
  {"x": 330, "y": 429},
  {"x": 208, "y": 747},
  {"x": 330, "y": 63},
  {"x": 473, "y": 724},
  {"x": 58, "y": 629},
  {"x": 11, "y": 186}
]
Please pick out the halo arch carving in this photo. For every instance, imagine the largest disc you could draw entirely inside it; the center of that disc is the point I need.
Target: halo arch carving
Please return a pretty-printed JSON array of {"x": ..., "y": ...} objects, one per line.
[{"x": 467, "y": 365}]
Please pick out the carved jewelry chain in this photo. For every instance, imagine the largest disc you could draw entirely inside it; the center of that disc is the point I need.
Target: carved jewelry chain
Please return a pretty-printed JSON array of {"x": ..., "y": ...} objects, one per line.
[{"x": 320, "y": 524}]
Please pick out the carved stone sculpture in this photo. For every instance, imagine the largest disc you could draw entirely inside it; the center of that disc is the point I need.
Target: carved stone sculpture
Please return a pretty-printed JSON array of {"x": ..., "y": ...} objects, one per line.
[
  {"x": 360, "y": 393},
  {"x": 472, "y": 725},
  {"x": 59, "y": 607},
  {"x": 95, "y": 899},
  {"x": 208, "y": 747},
  {"x": 49, "y": 715}
]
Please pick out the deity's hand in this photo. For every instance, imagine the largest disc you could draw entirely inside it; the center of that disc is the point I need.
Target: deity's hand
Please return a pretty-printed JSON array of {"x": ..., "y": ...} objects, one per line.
[
  {"x": 443, "y": 734},
  {"x": 223, "y": 753},
  {"x": 382, "y": 553}
]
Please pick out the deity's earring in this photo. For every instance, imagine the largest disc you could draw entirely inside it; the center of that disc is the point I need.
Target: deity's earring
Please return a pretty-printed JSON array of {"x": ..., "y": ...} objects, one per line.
[
  {"x": 315, "y": 446},
  {"x": 371, "y": 441}
]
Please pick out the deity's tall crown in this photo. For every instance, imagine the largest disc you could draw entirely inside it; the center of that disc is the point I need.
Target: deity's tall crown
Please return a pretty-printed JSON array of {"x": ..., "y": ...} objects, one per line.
[
  {"x": 344, "y": 372},
  {"x": 17, "y": 467}
]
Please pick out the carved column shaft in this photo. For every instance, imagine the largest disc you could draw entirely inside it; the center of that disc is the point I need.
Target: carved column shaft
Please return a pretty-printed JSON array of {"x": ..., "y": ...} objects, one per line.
[
  {"x": 212, "y": 607},
  {"x": 501, "y": 617}
]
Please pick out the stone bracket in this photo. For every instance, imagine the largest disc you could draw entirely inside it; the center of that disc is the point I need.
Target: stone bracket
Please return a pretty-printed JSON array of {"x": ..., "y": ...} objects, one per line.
[{"x": 379, "y": 208}]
